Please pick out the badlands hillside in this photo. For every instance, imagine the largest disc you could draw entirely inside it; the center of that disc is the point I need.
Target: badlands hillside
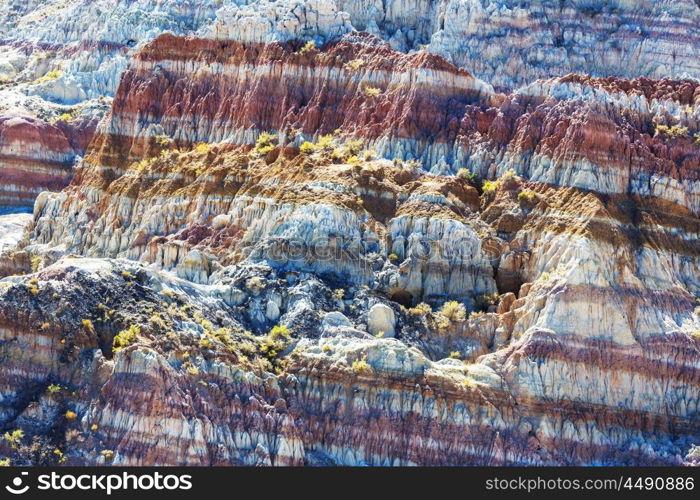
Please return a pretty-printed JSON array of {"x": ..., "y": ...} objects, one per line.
[{"x": 350, "y": 232}]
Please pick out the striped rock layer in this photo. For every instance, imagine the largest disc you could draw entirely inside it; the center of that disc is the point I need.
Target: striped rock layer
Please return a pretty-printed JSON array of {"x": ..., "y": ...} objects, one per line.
[
  {"x": 588, "y": 352},
  {"x": 56, "y": 58},
  {"x": 37, "y": 156}
]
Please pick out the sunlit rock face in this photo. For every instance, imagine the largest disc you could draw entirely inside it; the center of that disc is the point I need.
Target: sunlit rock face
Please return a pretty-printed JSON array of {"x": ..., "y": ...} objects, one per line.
[
  {"x": 356, "y": 251},
  {"x": 59, "y": 61}
]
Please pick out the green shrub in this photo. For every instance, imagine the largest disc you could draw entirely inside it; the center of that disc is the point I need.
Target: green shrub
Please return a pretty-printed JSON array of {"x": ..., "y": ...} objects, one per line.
[{"x": 472, "y": 178}]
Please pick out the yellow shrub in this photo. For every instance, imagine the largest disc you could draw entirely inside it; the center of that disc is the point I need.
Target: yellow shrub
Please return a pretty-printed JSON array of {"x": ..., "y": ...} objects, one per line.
[
  {"x": 355, "y": 64},
  {"x": 490, "y": 186},
  {"x": 125, "y": 338},
  {"x": 454, "y": 311},
  {"x": 33, "y": 286},
  {"x": 202, "y": 147},
  {"x": 371, "y": 91},
  {"x": 325, "y": 141},
  {"x": 307, "y": 147},
  {"x": 527, "y": 196},
  {"x": 421, "y": 309},
  {"x": 49, "y": 76},
  {"x": 14, "y": 438},
  {"x": 361, "y": 365},
  {"x": 265, "y": 143},
  {"x": 36, "y": 263},
  {"x": 308, "y": 47}
]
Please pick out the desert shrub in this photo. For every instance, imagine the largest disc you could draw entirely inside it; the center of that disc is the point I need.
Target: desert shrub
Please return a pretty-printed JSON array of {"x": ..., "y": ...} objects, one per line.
[
  {"x": 361, "y": 365},
  {"x": 202, "y": 147},
  {"x": 33, "y": 286},
  {"x": 65, "y": 117},
  {"x": 275, "y": 341},
  {"x": 54, "y": 388},
  {"x": 125, "y": 338},
  {"x": 279, "y": 332},
  {"x": 35, "y": 262},
  {"x": 355, "y": 146},
  {"x": 127, "y": 275},
  {"x": 369, "y": 91},
  {"x": 472, "y": 178},
  {"x": 421, "y": 309},
  {"x": 255, "y": 284},
  {"x": 672, "y": 132},
  {"x": 307, "y": 147},
  {"x": 325, "y": 142},
  {"x": 49, "y": 76},
  {"x": 454, "y": 311},
  {"x": 14, "y": 438},
  {"x": 307, "y": 48},
  {"x": 527, "y": 196},
  {"x": 355, "y": 64},
  {"x": 265, "y": 143},
  {"x": 489, "y": 187},
  {"x": 205, "y": 342},
  {"x": 487, "y": 300}
]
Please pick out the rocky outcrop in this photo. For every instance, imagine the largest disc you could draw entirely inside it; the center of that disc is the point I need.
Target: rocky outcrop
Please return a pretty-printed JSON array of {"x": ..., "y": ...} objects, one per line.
[
  {"x": 56, "y": 58},
  {"x": 192, "y": 387},
  {"x": 507, "y": 43},
  {"x": 287, "y": 253},
  {"x": 58, "y": 63},
  {"x": 37, "y": 156}
]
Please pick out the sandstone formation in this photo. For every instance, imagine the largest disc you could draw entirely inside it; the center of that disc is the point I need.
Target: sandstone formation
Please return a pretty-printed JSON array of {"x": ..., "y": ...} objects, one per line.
[
  {"x": 57, "y": 59},
  {"x": 353, "y": 252}
]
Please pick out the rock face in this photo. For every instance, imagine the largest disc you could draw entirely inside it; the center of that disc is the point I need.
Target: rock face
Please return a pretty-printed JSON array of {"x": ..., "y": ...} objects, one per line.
[
  {"x": 60, "y": 63},
  {"x": 59, "y": 60},
  {"x": 277, "y": 252}
]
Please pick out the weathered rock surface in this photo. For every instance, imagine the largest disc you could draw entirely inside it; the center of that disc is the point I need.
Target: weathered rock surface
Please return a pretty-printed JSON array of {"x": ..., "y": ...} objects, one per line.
[{"x": 281, "y": 253}]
